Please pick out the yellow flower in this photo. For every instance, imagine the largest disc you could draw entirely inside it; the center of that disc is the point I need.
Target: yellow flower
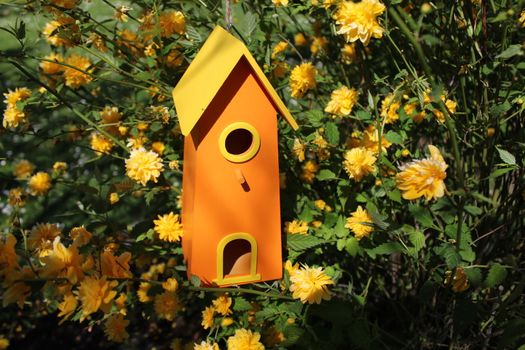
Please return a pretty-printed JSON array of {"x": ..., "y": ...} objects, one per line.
[
  {"x": 18, "y": 291},
  {"x": 272, "y": 337},
  {"x": 168, "y": 227},
  {"x": 348, "y": 53},
  {"x": 359, "y": 162},
  {"x": 389, "y": 108},
  {"x": 97, "y": 41},
  {"x": 170, "y": 285},
  {"x": 113, "y": 197},
  {"x": 302, "y": 79},
  {"x": 51, "y": 68},
  {"x": 95, "y": 293},
  {"x": 298, "y": 149},
  {"x": 121, "y": 303},
  {"x": 244, "y": 339},
  {"x": 23, "y": 169},
  {"x": 167, "y": 305},
  {"x": 63, "y": 262},
  {"x": 67, "y": 307},
  {"x": 19, "y": 94},
  {"x": 8, "y": 257},
  {"x": 80, "y": 236},
  {"x": 100, "y": 144},
  {"x": 41, "y": 238},
  {"x": 143, "y": 166},
  {"x": 121, "y": 13},
  {"x": 172, "y": 22},
  {"x": 522, "y": 19},
  {"x": 360, "y": 222},
  {"x": 371, "y": 140},
  {"x": 451, "y": 107},
  {"x": 342, "y": 101},
  {"x": 358, "y": 21},
  {"x": 296, "y": 227},
  {"x": 280, "y": 2},
  {"x": 207, "y": 317},
  {"x": 460, "y": 281},
  {"x": 115, "y": 328},
  {"x": 321, "y": 205},
  {"x": 310, "y": 168},
  {"x": 300, "y": 39},
  {"x": 174, "y": 58},
  {"x": 12, "y": 115},
  {"x": 79, "y": 73},
  {"x": 39, "y": 183},
  {"x": 205, "y": 345},
  {"x": 137, "y": 141},
  {"x": 226, "y": 322},
  {"x": 60, "y": 32},
  {"x": 4, "y": 344},
  {"x": 222, "y": 304},
  {"x": 59, "y": 166},
  {"x": 423, "y": 177},
  {"x": 174, "y": 165},
  {"x": 291, "y": 268},
  {"x": 280, "y": 47},
  {"x": 158, "y": 147},
  {"x": 319, "y": 44},
  {"x": 410, "y": 110},
  {"x": 142, "y": 292},
  {"x": 116, "y": 267},
  {"x": 16, "y": 197},
  {"x": 310, "y": 285},
  {"x": 110, "y": 115},
  {"x": 67, "y": 4}
]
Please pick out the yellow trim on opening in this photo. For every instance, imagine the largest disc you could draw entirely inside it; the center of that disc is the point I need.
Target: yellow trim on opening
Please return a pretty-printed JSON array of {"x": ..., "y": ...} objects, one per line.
[
  {"x": 253, "y": 276},
  {"x": 250, "y": 153}
]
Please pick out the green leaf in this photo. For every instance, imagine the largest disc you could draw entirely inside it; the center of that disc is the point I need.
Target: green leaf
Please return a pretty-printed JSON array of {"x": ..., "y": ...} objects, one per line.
[
  {"x": 422, "y": 215},
  {"x": 417, "y": 238},
  {"x": 394, "y": 195},
  {"x": 506, "y": 156},
  {"x": 352, "y": 246},
  {"x": 496, "y": 275},
  {"x": 499, "y": 172},
  {"x": 473, "y": 210},
  {"x": 299, "y": 243},
  {"x": 385, "y": 249},
  {"x": 241, "y": 304},
  {"x": 332, "y": 133},
  {"x": 474, "y": 276},
  {"x": 315, "y": 117},
  {"x": 325, "y": 174},
  {"x": 339, "y": 229},
  {"x": 394, "y": 137},
  {"x": 511, "y": 51}
]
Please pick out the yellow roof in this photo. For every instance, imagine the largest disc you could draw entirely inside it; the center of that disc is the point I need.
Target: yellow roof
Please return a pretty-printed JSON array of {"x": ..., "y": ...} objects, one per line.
[{"x": 208, "y": 72}]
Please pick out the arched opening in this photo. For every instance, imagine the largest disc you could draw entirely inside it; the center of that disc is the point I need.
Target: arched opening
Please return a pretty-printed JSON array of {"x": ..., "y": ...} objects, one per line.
[{"x": 237, "y": 259}]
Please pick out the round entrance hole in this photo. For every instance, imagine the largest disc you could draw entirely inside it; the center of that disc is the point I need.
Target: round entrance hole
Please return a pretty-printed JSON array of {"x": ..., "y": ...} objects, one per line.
[{"x": 239, "y": 142}]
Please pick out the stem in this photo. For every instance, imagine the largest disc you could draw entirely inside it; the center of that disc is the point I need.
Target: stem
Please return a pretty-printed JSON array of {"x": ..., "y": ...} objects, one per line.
[
  {"x": 241, "y": 290},
  {"x": 448, "y": 121},
  {"x": 67, "y": 104}
]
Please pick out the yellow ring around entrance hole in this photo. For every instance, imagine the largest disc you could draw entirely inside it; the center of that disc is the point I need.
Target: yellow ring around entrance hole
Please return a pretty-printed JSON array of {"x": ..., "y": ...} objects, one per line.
[{"x": 252, "y": 150}]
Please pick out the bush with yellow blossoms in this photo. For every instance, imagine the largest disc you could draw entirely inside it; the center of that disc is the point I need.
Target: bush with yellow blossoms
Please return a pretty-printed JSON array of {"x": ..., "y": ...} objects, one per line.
[{"x": 402, "y": 191}]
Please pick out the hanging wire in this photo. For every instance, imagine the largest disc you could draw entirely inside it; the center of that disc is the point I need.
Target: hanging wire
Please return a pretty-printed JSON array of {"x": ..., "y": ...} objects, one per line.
[{"x": 228, "y": 17}]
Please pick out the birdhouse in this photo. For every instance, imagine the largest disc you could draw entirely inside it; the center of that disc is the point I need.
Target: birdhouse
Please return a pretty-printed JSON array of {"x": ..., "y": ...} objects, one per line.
[{"x": 231, "y": 214}]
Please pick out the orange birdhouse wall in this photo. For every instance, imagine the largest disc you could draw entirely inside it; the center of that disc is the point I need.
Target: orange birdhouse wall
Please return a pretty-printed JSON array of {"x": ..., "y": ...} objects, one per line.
[{"x": 231, "y": 209}]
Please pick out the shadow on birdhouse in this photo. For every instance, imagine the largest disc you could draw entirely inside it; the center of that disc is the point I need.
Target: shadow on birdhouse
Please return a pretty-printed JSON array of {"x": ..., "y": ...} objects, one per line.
[{"x": 227, "y": 111}]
